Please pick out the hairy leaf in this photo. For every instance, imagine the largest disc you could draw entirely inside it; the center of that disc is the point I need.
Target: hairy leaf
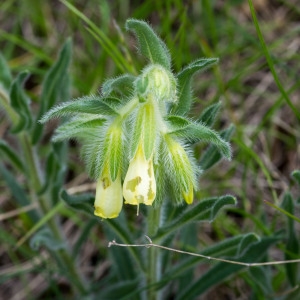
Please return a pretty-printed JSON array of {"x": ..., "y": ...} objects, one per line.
[
  {"x": 184, "y": 83},
  {"x": 212, "y": 155},
  {"x": 53, "y": 85},
  {"x": 197, "y": 132},
  {"x": 150, "y": 45},
  {"x": 122, "y": 85},
  {"x": 205, "y": 210},
  {"x": 78, "y": 127},
  {"x": 209, "y": 114},
  {"x": 85, "y": 105}
]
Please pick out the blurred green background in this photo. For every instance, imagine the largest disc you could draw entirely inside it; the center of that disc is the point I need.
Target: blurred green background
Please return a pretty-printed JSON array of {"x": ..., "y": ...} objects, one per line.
[{"x": 263, "y": 105}]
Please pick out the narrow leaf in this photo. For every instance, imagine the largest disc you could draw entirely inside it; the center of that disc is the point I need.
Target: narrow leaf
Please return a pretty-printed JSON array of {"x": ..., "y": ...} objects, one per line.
[
  {"x": 122, "y": 85},
  {"x": 85, "y": 105},
  {"x": 222, "y": 271},
  {"x": 18, "y": 193},
  {"x": 226, "y": 248},
  {"x": 13, "y": 157},
  {"x": 205, "y": 210},
  {"x": 83, "y": 202},
  {"x": 52, "y": 85},
  {"x": 212, "y": 155},
  {"x": 262, "y": 278},
  {"x": 79, "y": 127},
  {"x": 197, "y": 132},
  {"x": 84, "y": 235},
  {"x": 20, "y": 103},
  {"x": 122, "y": 290},
  {"x": 150, "y": 45},
  {"x": 292, "y": 245},
  {"x": 209, "y": 114},
  {"x": 5, "y": 75},
  {"x": 45, "y": 238},
  {"x": 184, "y": 83},
  {"x": 296, "y": 176}
]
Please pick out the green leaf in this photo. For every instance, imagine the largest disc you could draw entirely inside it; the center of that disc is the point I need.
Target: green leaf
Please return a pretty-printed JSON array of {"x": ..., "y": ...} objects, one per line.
[
  {"x": 292, "y": 244},
  {"x": 84, "y": 235},
  {"x": 78, "y": 127},
  {"x": 212, "y": 155},
  {"x": 85, "y": 105},
  {"x": 197, "y": 132},
  {"x": 5, "y": 75},
  {"x": 122, "y": 85},
  {"x": 20, "y": 103},
  {"x": 209, "y": 114},
  {"x": 184, "y": 83},
  {"x": 262, "y": 277},
  {"x": 122, "y": 290},
  {"x": 150, "y": 45},
  {"x": 44, "y": 237},
  {"x": 228, "y": 248},
  {"x": 122, "y": 258},
  {"x": 13, "y": 157},
  {"x": 83, "y": 202},
  {"x": 296, "y": 176},
  {"x": 55, "y": 171},
  {"x": 222, "y": 271},
  {"x": 53, "y": 85},
  {"x": 177, "y": 122},
  {"x": 119, "y": 230},
  {"x": 17, "y": 192},
  {"x": 205, "y": 210}
]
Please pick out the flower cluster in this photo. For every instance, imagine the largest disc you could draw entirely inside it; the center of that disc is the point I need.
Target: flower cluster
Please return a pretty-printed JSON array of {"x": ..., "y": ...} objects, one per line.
[{"x": 135, "y": 136}]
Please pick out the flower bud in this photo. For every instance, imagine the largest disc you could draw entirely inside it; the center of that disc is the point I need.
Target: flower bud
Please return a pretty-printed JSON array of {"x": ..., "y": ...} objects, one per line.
[
  {"x": 181, "y": 170},
  {"x": 158, "y": 81},
  {"x": 139, "y": 184},
  {"x": 109, "y": 199}
]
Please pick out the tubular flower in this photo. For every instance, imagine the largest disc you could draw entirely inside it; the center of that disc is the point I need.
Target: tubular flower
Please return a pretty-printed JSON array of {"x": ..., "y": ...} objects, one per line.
[
  {"x": 109, "y": 200},
  {"x": 182, "y": 170},
  {"x": 139, "y": 184}
]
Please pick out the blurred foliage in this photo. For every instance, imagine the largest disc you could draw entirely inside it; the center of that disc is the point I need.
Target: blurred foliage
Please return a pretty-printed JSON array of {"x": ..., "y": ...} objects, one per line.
[{"x": 256, "y": 80}]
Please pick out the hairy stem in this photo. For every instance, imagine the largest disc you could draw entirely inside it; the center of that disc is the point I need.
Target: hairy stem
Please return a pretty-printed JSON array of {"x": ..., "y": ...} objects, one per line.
[{"x": 153, "y": 253}]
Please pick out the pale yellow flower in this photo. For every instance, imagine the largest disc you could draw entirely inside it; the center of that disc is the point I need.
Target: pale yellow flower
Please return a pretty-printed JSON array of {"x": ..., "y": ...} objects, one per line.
[
  {"x": 109, "y": 199},
  {"x": 139, "y": 184}
]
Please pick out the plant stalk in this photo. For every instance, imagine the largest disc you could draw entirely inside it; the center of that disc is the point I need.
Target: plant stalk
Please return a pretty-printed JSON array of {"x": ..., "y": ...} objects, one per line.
[
  {"x": 153, "y": 253},
  {"x": 35, "y": 186}
]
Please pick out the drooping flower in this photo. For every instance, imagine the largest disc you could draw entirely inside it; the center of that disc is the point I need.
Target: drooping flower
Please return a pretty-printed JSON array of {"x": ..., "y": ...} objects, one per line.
[
  {"x": 139, "y": 184},
  {"x": 181, "y": 171},
  {"x": 109, "y": 199}
]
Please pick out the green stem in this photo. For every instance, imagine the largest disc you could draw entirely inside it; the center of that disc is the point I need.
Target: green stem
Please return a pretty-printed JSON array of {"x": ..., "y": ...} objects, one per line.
[
  {"x": 153, "y": 253},
  {"x": 35, "y": 187}
]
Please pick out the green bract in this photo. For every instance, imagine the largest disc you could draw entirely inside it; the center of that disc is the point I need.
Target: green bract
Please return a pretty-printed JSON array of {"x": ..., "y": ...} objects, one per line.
[{"x": 137, "y": 141}]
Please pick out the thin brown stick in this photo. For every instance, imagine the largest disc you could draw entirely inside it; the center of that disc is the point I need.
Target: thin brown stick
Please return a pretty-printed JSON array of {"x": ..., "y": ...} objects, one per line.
[{"x": 150, "y": 244}]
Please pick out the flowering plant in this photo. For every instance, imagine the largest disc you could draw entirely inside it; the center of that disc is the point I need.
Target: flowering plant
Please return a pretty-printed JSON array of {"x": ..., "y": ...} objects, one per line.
[{"x": 136, "y": 131}]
